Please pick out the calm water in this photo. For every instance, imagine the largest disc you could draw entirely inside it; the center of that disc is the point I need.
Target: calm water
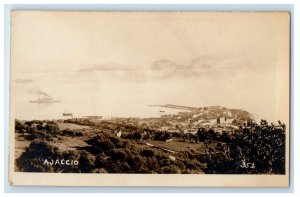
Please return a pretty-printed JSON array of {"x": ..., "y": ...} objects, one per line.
[
  {"x": 41, "y": 111},
  {"x": 127, "y": 94}
]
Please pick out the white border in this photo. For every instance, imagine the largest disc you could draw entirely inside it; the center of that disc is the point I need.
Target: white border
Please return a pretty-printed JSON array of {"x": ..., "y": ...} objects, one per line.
[{"x": 296, "y": 58}]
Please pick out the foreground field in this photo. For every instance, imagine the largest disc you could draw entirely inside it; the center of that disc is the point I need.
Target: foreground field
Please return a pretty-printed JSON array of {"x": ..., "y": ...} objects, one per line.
[
  {"x": 178, "y": 146},
  {"x": 109, "y": 147}
]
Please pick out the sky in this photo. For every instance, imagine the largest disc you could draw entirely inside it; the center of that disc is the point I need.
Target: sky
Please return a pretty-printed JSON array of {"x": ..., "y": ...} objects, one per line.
[{"x": 109, "y": 59}]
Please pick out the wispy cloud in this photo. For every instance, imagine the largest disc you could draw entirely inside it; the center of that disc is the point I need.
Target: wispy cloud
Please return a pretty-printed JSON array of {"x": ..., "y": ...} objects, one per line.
[{"x": 164, "y": 69}]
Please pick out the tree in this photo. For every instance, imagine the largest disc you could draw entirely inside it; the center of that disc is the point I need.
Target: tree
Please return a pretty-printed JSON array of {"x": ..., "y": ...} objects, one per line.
[
  {"x": 202, "y": 134},
  {"x": 86, "y": 162},
  {"x": 19, "y": 126},
  {"x": 34, "y": 156}
]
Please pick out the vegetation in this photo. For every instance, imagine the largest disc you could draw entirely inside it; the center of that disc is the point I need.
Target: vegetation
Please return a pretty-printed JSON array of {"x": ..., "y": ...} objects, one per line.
[
  {"x": 251, "y": 149},
  {"x": 117, "y": 155},
  {"x": 256, "y": 149}
]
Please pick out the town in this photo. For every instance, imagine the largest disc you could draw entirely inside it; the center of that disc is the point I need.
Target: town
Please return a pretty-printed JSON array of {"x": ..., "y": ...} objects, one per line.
[
  {"x": 221, "y": 119},
  {"x": 210, "y": 140}
]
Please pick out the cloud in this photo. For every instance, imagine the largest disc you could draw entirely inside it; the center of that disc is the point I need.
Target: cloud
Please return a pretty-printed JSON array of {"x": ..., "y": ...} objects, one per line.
[
  {"x": 195, "y": 68},
  {"x": 164, "y": 69}
]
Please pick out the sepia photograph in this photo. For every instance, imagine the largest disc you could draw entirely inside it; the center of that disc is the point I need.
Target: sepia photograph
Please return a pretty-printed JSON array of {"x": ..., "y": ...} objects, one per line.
[{"x": 135, "y": 98}]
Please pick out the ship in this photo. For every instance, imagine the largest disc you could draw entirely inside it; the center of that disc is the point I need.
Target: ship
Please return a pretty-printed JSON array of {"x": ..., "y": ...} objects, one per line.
[
  {"x": 44, "y": 98},
  {"x": 67, "y": 114}
]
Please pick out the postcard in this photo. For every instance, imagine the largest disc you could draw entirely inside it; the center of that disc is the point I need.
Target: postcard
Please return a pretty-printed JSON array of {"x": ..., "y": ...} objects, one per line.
[{"x": 148, "y": 98}]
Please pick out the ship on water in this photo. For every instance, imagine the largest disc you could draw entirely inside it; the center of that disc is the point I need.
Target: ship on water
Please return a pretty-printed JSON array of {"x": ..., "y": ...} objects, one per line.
[
  {"x": 44, "y": 98},
  {"x": 67, "y": 114}
]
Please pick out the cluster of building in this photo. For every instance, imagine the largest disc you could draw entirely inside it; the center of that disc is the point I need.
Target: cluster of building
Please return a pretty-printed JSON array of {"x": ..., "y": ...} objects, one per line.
[
  {"x": 189, "y": 120},
  {"x": 215, "y": 117}
]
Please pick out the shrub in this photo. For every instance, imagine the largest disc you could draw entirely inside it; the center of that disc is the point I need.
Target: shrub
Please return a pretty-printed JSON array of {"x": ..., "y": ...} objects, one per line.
[
  {"x": 171, "y": 169},
  {"x": 118, "y": 154},
  {"x": 100, "y": 145},
  {"x": 19, "y": 126},
  {"x": 147, "y": 153},
  {"x": 86, "y": 162},
  {"x": 35, "y": 156},
  {"x": 32, "y": 159},
  {"x": 162, "y": 135},
  {"x": 71, "y": 133}
]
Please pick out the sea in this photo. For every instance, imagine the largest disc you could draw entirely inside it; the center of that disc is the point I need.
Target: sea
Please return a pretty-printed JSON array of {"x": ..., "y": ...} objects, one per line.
[
  {"x": 55, "y": 110},
  {"x": 124, "y": 94}
]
